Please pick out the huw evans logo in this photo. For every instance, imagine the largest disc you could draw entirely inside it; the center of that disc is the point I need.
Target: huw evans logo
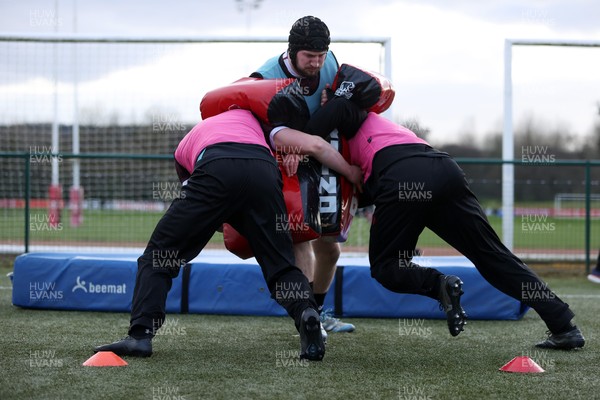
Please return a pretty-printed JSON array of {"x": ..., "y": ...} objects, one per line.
[
  {"x": 44, "y": 291},
  {"x": 91, "y": 287}
]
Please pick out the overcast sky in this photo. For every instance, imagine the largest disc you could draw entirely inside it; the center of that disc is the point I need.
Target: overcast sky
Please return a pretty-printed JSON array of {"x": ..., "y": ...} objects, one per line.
[{"x": 447, "y": 55}]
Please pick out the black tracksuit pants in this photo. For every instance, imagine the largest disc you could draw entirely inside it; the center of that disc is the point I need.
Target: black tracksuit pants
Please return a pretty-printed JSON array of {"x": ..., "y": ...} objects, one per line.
[
  {"x": 243, "y": 192},
  {"x": 430, "y": 190}
]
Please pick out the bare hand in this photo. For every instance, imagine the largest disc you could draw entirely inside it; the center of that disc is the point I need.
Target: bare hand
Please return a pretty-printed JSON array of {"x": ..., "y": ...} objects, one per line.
[
  {"x": 324, "y": 94},
  {"x": 290, "y": 163}
]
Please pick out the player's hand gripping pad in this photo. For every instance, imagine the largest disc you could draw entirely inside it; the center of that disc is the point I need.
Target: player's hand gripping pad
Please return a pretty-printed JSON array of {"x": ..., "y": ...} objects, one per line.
[
  {"x": 338, "y": 204},
  {"x": 300, "y": 193},
  {"x": 369, "y": 90},
  {"x": 274, "y": 102}
]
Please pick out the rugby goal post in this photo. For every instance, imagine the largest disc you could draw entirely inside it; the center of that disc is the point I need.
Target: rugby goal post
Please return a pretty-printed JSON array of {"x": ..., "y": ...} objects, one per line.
[
  {"x": 63, "y": 82},
  {"x": 508, "y": 197},
  {"x": 577, "y": 207}
]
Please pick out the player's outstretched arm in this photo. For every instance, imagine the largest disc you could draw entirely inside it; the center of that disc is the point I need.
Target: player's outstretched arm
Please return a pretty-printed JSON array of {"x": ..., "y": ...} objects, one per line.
[{"x": 292, "y": 141}]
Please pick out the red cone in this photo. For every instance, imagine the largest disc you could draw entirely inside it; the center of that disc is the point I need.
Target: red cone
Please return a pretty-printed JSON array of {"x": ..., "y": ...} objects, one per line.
[
  {"x": 523, "y": 365},
  {"x": 105, "y": 359}
]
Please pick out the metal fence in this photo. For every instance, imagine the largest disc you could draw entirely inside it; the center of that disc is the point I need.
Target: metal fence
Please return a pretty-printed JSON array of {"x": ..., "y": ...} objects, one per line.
[{"x": 124, "y": 195}]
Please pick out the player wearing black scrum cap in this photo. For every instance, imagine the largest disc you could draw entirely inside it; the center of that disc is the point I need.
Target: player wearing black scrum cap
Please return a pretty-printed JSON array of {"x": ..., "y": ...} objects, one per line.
[{"x": 309, "y": 60}]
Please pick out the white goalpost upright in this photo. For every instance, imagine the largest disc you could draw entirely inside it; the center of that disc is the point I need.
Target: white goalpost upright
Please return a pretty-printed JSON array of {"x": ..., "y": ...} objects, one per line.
[{"x": 508, "y": 194}]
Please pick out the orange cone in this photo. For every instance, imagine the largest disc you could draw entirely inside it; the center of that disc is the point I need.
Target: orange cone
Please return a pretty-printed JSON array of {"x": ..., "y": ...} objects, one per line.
[
  {"x": 105, "y": 359},
  {"x": 523, "y": 365}
]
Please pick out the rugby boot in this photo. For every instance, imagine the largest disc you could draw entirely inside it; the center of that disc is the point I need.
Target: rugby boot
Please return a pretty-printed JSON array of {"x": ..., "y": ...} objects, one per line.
[
  {"x": 449, "y": 297},
  {"x": 129, "y": 346},
  {"x": 311, "y": 341},
  {"x": 572, "y": 339}
]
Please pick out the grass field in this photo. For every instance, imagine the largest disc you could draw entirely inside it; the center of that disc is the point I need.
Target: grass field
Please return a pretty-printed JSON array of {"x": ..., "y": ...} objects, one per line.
[
  {"x": 228, "y": 357},
  {"x": 134, "y": 228}
]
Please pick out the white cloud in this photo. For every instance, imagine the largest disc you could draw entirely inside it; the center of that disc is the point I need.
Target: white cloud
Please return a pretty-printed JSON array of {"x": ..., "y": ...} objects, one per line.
[{"x": 449, "y": 66}]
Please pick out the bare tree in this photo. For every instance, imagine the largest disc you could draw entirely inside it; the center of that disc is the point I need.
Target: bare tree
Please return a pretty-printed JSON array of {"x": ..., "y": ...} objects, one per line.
[{"x": 415, "y": 125}]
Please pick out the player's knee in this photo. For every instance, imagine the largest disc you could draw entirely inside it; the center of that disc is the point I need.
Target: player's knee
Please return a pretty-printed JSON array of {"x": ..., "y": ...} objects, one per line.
[
  {"x": 382, "y": 275},
  {"x": 327, "y": 252},
  {"x": 305, "y": 258},
  {"x": 303, "y": 250}
]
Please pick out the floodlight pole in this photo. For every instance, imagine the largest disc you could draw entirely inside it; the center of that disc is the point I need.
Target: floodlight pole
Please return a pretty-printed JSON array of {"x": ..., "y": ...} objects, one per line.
[{"x": 247, "y": 6}]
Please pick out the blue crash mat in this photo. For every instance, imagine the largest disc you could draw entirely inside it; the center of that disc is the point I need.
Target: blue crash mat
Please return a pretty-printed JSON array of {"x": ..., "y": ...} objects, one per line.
[{"x": 220, "y": 283}]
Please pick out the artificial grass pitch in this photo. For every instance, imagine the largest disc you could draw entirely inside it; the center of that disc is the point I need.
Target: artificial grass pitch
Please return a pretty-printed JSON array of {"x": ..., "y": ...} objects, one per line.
[{"x": 229, "y": 357}]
